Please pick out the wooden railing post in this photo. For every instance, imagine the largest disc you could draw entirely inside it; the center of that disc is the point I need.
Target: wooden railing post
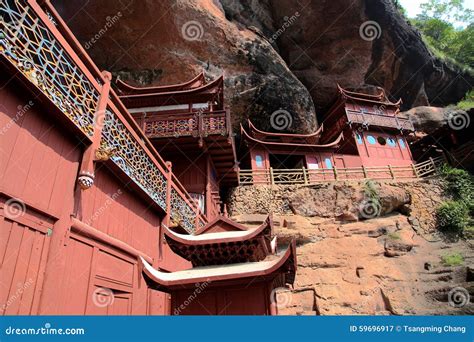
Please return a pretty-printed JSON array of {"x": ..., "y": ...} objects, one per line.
[
  {"x": 391, "y": 171},
  {"x": 335, "y": 172},
  {"x": 272, "y": 180},
  {"x": 305, "y": 176},
  {"x": 169, "y": 181},
  {"x": 433, "y": 164},
  {"x": 415, "y": 173},
  {"x": 196, "y": 219},
  {"x": 364, "y": 171}
]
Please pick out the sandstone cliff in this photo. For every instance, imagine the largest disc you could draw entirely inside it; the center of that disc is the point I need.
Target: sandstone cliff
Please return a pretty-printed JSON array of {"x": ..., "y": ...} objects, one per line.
[
  {"x": 359, "y": 257},
  {"x": 275, "y": 54}
]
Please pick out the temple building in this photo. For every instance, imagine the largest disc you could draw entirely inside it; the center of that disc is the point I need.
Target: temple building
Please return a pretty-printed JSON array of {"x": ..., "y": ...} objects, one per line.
[
  {"x": 235, "y": 270},
  {"x": 109, "y": 203},
  {"x": 375, "y": 135},
  {"x": 361, "y": 137},
  {"x": 189, "y": 125}
]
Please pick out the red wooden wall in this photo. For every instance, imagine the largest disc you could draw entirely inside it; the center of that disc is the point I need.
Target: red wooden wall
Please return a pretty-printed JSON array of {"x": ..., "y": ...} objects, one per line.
[
  {"x": 251, "y": 298},
  {"x": 46, "y": 266}
]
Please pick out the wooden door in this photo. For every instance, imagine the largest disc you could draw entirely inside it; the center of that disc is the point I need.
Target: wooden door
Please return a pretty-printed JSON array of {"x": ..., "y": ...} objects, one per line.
[{"x": 24, "y": 246}]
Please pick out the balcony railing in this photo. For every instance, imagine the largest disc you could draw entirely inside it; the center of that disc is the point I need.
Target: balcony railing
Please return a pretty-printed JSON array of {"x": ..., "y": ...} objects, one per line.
[
  {"x": 305, "y": 176},
  {"x": 196, "y": 124},
  {"x": 38, "y": 43},
  {"x": 369, "y": 119}
]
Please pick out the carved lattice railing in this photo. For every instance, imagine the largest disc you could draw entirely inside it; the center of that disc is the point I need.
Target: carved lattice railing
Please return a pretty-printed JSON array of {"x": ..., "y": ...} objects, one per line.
[
  {"x": 379, "y": 120},
  {"x": 132, "y": 159},
  {"x": 170, "y": 126},
  {"x": 31, "y": 41},
  {"x": 27, "y": 42},
  {"x": 196, "y": 124},
  {"x": 182, "y": 212}
]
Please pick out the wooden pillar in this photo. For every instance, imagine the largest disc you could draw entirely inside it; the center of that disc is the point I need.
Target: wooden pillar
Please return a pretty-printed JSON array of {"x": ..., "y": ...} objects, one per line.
[
  {"x": 208, "y": 191},
  {"x": 391, "y": 171},
  {"x": 433, "y": 164},
  {"x": 169, "y": 181},
  {"x": 86, "y": 171},
  {"x": 167, "y": 218},
  {"x": 305, "y": 176},
  {"x": 415, "y": 173}
]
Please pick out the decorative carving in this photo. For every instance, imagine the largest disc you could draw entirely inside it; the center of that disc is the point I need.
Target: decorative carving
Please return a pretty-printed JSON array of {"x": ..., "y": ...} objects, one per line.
[
  {"x": 104, "y": 152},
  {"x": 85, "y": 180},
  {"x": 182, "y": 212},
  {"x": 29, "y": 45},
  {"x": 129, "y": 156},
  {"x": 368, "y": 119}
]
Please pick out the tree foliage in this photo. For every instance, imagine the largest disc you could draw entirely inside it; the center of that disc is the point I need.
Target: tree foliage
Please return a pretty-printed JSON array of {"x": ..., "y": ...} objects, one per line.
[{"x": 448, "y": 28}]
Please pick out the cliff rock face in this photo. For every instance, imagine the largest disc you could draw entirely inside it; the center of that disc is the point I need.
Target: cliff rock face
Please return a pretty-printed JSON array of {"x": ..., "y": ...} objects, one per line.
[
  {"x": 389, "y": 263},
  {"x": 274, "y": 54}
]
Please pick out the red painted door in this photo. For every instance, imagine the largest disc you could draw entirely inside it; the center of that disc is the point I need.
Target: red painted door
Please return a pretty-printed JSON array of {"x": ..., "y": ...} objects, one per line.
[{"x": 24, "y": 246}]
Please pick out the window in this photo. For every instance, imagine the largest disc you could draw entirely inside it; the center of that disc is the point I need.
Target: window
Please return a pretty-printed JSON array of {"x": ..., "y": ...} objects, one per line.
[
  {"x": 402, "y": 143},
  {"x": 328, "y": 163},
  {"x": 259, "y": 160},
  {"x": 371, "y": 140},
  {"x": 382, "y": 141},
  {"x": 359, "y": 139},
  {"x": 391, "y": 142}
]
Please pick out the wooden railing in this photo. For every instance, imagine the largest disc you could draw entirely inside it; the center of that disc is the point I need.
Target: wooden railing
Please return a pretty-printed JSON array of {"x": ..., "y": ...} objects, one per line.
[
  {"x": 36, "y": 41},
  {"x": 312, "y": 176},
  {"x": 381, "y": 120},
  {"x": 198, "y": 124}
]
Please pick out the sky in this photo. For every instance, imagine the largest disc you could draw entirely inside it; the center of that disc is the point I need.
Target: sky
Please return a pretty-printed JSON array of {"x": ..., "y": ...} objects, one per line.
[{"x": 413, "y": 6}]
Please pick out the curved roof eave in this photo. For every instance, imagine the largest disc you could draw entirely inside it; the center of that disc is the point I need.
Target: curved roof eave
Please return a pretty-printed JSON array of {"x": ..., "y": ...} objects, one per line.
[
  {"x": 271, "y": 143},
  {"x": 211, "y": 85},
  {"x": 219, "y": 272},
  {"x": 382, "y": 97},
  {"x": 127, "y": 89},
  {"x": 309, "y": 135},
  {"x": 220, "y": 237}
]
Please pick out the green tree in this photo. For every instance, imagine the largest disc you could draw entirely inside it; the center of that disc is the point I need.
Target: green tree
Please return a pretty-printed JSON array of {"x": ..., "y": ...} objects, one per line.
[
  {"x": 447, "y": 10},
  {"x": 437, "y": 24}
]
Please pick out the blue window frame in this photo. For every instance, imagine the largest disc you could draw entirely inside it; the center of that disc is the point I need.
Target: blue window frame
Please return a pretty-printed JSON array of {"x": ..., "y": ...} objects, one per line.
[
  {"x": 371, "y": 140},
  {"x": 359, "y": 139},
  {"x": 391, "y": 142},
  {"x": 402, "y": 143},
  {"x": 328, "y": 163},
  {"x": 259, "y": 160}
]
